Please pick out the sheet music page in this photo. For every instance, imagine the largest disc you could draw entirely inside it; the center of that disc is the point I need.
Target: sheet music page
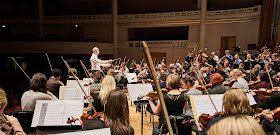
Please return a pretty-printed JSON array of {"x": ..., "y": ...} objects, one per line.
[
  {"x": 202, "y": 104},
  {"x": 75, "y": 83},
  {"x": 56, "y": 112},
  {"x": 88, "y": 79},
  {"x": 137, "y": 90},
  {"x": 103, "y": 131},
  {"x": 72, "y": 93},
  {"x": 131, "y": 77}
]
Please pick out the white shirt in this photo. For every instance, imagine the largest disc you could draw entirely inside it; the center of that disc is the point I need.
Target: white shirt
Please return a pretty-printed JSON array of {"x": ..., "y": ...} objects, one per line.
[
  {"x": 29, "y": 98},
  {"x": 96, "y": 63}
]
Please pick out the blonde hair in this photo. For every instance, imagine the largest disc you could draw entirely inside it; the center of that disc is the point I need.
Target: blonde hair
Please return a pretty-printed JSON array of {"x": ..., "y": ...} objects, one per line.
[
  {"x": 173, "y": 81},
  {"x": 235, "y": 101},
  {"x": 107, "y": 85},
  {"x": 72, "y": 70},
  {"x": 236, "y": 125},
  {"x": 236, "y": 72},
  {"x": 3, "y": 99}
]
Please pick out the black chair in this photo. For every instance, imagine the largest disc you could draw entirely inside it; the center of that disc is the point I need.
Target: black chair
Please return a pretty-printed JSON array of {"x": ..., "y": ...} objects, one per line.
[{"x": 25, "y": 120}]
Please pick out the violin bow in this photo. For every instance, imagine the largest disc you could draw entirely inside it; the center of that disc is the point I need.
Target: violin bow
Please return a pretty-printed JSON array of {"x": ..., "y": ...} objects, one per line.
[
  {"x": 87, "y": 73},
  {"x": 124, "y": 58},
  {"x": 265, "y": 64},
  {"x": 66, "y": 64},
  {"x": 153, "y": 72},
  {"x": 21, "y": 68},
  {"x": 49, "y": 61},
  {"x": 141, "y": 62},
  {"x": 204, "y": 87}
]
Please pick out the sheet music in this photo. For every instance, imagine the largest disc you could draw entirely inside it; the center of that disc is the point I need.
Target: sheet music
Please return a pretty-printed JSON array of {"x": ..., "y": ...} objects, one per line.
[
  {"x": 103, "y": 131},
  {"x": 131, "y": 77},
  {"x": 137, "y": 90},
  {"x": 202, "y": 104},
  {"x": 56, "y": 112},
  {"x": 72, "y": 93},
  {"x": 88, "y": 79},
  {"x": 75, "y": 83}
]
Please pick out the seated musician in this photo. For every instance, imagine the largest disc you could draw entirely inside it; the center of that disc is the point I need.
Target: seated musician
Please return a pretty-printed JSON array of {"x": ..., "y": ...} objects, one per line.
[
  {"x": 237, "y": 60},
  {"x": 97, "y": 81},
  {"x": 162, "y": 81},
  {"x": 227, "y": 56},
  {"x": 270, "y": 70},
  {"x": 70, "y": 76},
  {"x": 14, "y": 123},
  {"x": 256, "y": 69},
  {"x": 236, "y": 125},
  {"x": 237, "y": 76},
  {"x": 132, "y": 68},
  {"x": 53, "y": 84},
  {"x": 270, "y": 123},
  {"x": 204, "y": 73},
  {"x": 116, "y": 114},
  {"x": 189, "y": 89},
  {"x": 270, "y": 104},
  {"x": 249, "y": 58},
  {"x": 276, "y": 79},
  {"x": 226, "y": 68},
  {"x": 112, "y": 72},
  {"x": 38, "y": 91},
  {"x": 265, "y": 83},
  {"x": 108, "y": 84},
  {"x": 217, "y": 88},
  {"x": 275, "y": 59},
  {"x": 175, "y": 102},
  {"x": 235, "y": 102}
]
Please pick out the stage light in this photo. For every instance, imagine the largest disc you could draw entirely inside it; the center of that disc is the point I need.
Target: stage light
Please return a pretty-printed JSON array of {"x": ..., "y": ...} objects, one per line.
[
  {"x": 3, "y": 26},
  {"x": 76, "y": 25}
]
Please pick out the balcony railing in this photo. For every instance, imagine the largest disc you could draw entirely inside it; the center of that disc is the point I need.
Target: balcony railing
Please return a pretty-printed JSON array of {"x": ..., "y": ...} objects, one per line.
[{"x": 168, "y": 16}]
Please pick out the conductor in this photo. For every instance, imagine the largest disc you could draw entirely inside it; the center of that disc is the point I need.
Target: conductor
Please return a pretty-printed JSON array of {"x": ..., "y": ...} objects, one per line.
[{"x": 95, "y": 62}]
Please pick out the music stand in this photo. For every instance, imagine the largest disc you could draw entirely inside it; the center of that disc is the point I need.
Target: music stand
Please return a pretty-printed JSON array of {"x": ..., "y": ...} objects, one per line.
[{"x": 137, "y": 90}]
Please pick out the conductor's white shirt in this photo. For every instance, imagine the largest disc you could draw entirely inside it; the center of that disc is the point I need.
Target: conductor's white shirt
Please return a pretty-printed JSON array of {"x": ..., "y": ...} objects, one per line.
[{"x": 96, "y": 63}]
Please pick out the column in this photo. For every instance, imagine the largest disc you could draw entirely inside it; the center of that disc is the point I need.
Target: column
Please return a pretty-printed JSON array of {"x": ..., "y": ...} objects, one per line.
[
  {"x": 202, "y": 24},
  {"x": 41, "y": 17},
  {"x": 114, "y": 28}
]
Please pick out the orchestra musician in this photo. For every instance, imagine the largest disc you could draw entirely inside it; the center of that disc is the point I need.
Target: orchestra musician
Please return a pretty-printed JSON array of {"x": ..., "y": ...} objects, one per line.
[
  {"x": 12, "y": 122},
  {"x": 226, "y": 58},
  {"x": 249, "y": 58},
  {"x": 70, "y": 76},
  {"x": 175, "y": 103},
  {"x": 239, "y": 82},
  {"x": 235, "y": 102},
  {"x": 217, "y": 88},
  {"x": 116, "y": 114},
  {"x": 96, "y": 62},
  {"x": 38, "y": 91},
  {"x": 54, "y": 83},
  {"x": 237, "y": 60},
  {"x": 236, "y": 125}
]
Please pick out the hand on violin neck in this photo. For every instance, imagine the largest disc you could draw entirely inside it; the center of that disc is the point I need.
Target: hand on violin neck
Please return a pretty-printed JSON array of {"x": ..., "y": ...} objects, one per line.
[
  {"x": 267, "y": 115},
  {"x": 199, "y": 125}
]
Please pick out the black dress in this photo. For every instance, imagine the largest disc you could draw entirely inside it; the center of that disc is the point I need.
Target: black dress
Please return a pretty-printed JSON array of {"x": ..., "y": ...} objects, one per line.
[{"x": 174, "y": 105}]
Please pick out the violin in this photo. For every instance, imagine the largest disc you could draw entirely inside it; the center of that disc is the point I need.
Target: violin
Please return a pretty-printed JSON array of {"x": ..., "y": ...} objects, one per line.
[
  {"x": 85, "y": 117},
  {"x": 204, "y": 119},
  {"x": 230, "y": 83},
  {"x": 202, "y": 89},
  {"x": 252, "y": 83},
  {"x": 4, "y": 126},
  {"x": 153, "y": 94},
  {"x": 275, "y": 113}
]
